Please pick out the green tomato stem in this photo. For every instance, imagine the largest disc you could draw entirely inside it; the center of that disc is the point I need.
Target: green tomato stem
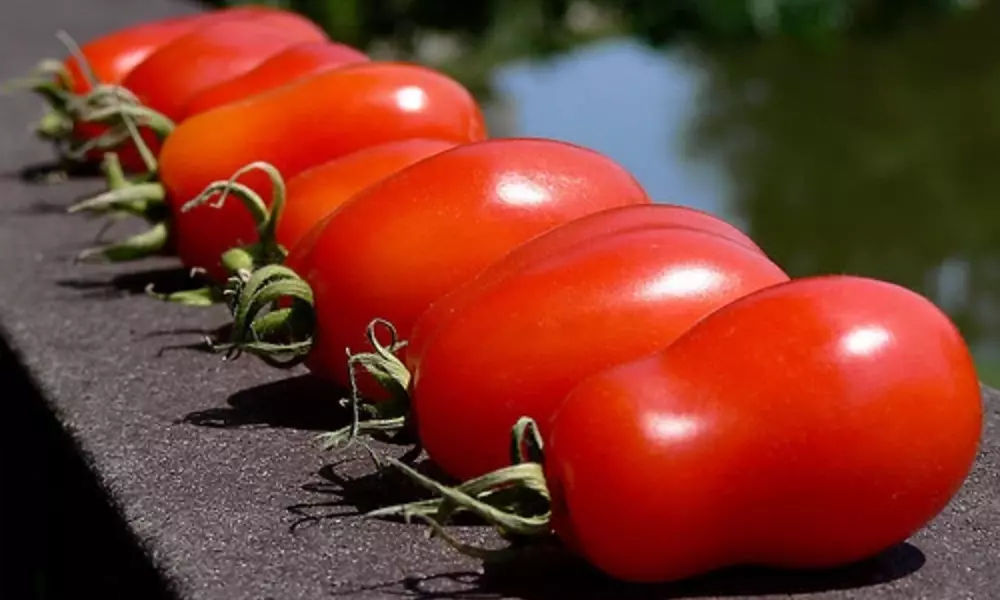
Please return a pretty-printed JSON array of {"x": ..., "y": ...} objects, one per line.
[
  {"x": 266, "y": 250},
  {"x": 138, "y": 199},
  {"x": 142, "y": 245},
  {"x": 145, "y": 200},
  {"x": 393, "y": 416},
  {"x": 203, "y": 296},
  {"x": 113, "y": 116},
  {"x": 281, "y": 337},
  {"x": 55, "y": 126},
  {"x": 516, "y": 500}
]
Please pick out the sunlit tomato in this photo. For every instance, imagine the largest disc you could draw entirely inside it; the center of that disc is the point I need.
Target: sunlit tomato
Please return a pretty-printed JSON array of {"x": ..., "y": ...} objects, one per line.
[
  {"x": 559, "y": 240},
  {"x": 282, "y": 68},
  {"x": 811, "y": 424},
  {"x": 401, "y": 244},
  {"x": 172, "y": 75},
  {"x": 315, "y": 193},
  {"x": 361, "y": 106},
  {"x": 111, "y": 57},
  {"x": 521, "y": 336}
]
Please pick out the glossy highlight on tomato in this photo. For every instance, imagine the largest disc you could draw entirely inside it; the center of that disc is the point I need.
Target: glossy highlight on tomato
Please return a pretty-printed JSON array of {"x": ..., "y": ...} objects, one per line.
[
  {"x": 811, "y": 424},
  {"x": 315, "y": 193},
  {"x": 586, "y": 230},
  {"x": 361, "y": 106},
  {"x": 112, "y": 56},
  {"x": 514, "y": 341},
  {"x": 401, "y": 244},
  {"x": 213, "y": 54},
  {"x": 284, "y": 67}
]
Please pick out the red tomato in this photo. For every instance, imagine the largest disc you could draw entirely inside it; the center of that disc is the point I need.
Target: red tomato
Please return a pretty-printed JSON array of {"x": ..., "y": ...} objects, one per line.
[
  {"x": 812, "y": 424},
  {"x": 582, "y": 231},
  {"x": 282, "y": 68},
  {"x": 523, "y": 335},
  {"x": 172, "y": 75},
  {"x": 401, "y": 244},
  {"x": 315, "y": 193},
  {"x": 112, "y": 57},
  {"x": 362, "y": 106}
]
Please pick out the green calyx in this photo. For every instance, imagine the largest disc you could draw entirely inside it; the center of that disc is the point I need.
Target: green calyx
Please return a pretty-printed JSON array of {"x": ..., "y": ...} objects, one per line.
[
  {"x": 391, "y": 418},
  {"x": 279, "y": 335},
  {"x": 267, "y": 250},
  {"x": 200, "y": 297},
  {"x": 516, "y": 499},
  {"x": 145, "y": 200},
  {"x": 113, "y": 106}
]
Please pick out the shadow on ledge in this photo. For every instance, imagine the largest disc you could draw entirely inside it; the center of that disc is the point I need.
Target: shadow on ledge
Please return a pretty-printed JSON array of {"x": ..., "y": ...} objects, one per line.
[
  {"x": 354, "y": 487},
  {"x": 55, "y": 171},
  {"x": 164, "y": 280},
  {"x": 60, "y": 534},
  {"x": 303, "y": 402},
  {"x": 544, "y": 574}
]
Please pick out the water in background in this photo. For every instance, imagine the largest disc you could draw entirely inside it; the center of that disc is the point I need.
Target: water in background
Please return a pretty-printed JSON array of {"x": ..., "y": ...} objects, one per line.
[{"x": 875, "y": 156}]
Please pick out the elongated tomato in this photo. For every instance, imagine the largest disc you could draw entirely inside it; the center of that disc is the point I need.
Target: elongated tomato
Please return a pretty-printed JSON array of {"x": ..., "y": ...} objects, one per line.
[
  {"x": 401, "y": 244},
  {"x": 315, "y": 193},
  {"x": 113, "y": 56},
  {"x": 295, "y": 127},
  {"x": 110, "y": 58},
  {"x": 294, "y": 63},
  {"x": 587, "y": 230},
  {"x": 518, "y": 343},
  {"x": 172, "y": 75},
  {"x": 814, "y": 423}
]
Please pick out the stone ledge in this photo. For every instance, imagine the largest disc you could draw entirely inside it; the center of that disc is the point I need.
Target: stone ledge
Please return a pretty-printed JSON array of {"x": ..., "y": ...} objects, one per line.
[{"x": 195, "y": 478}]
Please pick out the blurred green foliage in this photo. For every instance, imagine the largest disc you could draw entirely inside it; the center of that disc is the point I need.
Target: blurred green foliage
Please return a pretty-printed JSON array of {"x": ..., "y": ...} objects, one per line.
[
  {"x": 877, "y": 159},
  {"x": 468, "y": 38}
]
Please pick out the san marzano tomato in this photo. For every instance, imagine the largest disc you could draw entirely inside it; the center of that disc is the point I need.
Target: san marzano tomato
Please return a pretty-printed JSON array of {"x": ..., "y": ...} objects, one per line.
[
  {"x": 513, "y": 343},
  {"x": 811, "y": 424},
  {"x": 399, "y": 245}
]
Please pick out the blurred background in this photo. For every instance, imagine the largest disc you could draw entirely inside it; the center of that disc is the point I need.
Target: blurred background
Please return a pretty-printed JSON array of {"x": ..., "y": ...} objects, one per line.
[{"x": 846, "y": 136}]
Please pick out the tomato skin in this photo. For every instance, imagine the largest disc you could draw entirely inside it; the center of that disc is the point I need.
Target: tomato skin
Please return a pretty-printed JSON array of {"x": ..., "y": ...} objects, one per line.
[
  {"x": 811, "y": 424},
  {"x": 294, "y": 63},
  {"x": 113, "y": 56},
  {"x": 213, "y": 54},
  {"x": 399, "y": 245},
  {"x": 585, "y": 230},
  {"x": 315, "y": 193},
  {"x": 520, "y": 343},
  {"x": 361, "y": 106}
]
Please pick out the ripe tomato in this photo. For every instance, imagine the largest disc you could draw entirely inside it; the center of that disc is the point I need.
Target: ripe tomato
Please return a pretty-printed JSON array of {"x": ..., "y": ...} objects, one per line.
[
  {"x": 315, "y": 193},
  {"x": 294, "y": 63},
  {"x": 582, "y": 231},
  {"x": 401, "y": 244},
  {"x": 811, "y": 424},
  {"x": 362, "y": 106},
  {"x": 213, "y": 54},
  {"x": 110, "y": 58},
  {"x": 521, "y": 336},
  {"x": 113, "y": 56}
]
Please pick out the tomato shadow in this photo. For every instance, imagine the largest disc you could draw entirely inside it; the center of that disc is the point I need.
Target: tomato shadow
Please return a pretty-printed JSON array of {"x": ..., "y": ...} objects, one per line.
[
  {"x": 39, "y": 209},
  {"x": 304, "y": 402},
  {"x": 163, "y": 279},
  {"x": 353, "y": 487},
  {"x": 546, "y": 574},
  {"x": 51, "y": 172}
]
